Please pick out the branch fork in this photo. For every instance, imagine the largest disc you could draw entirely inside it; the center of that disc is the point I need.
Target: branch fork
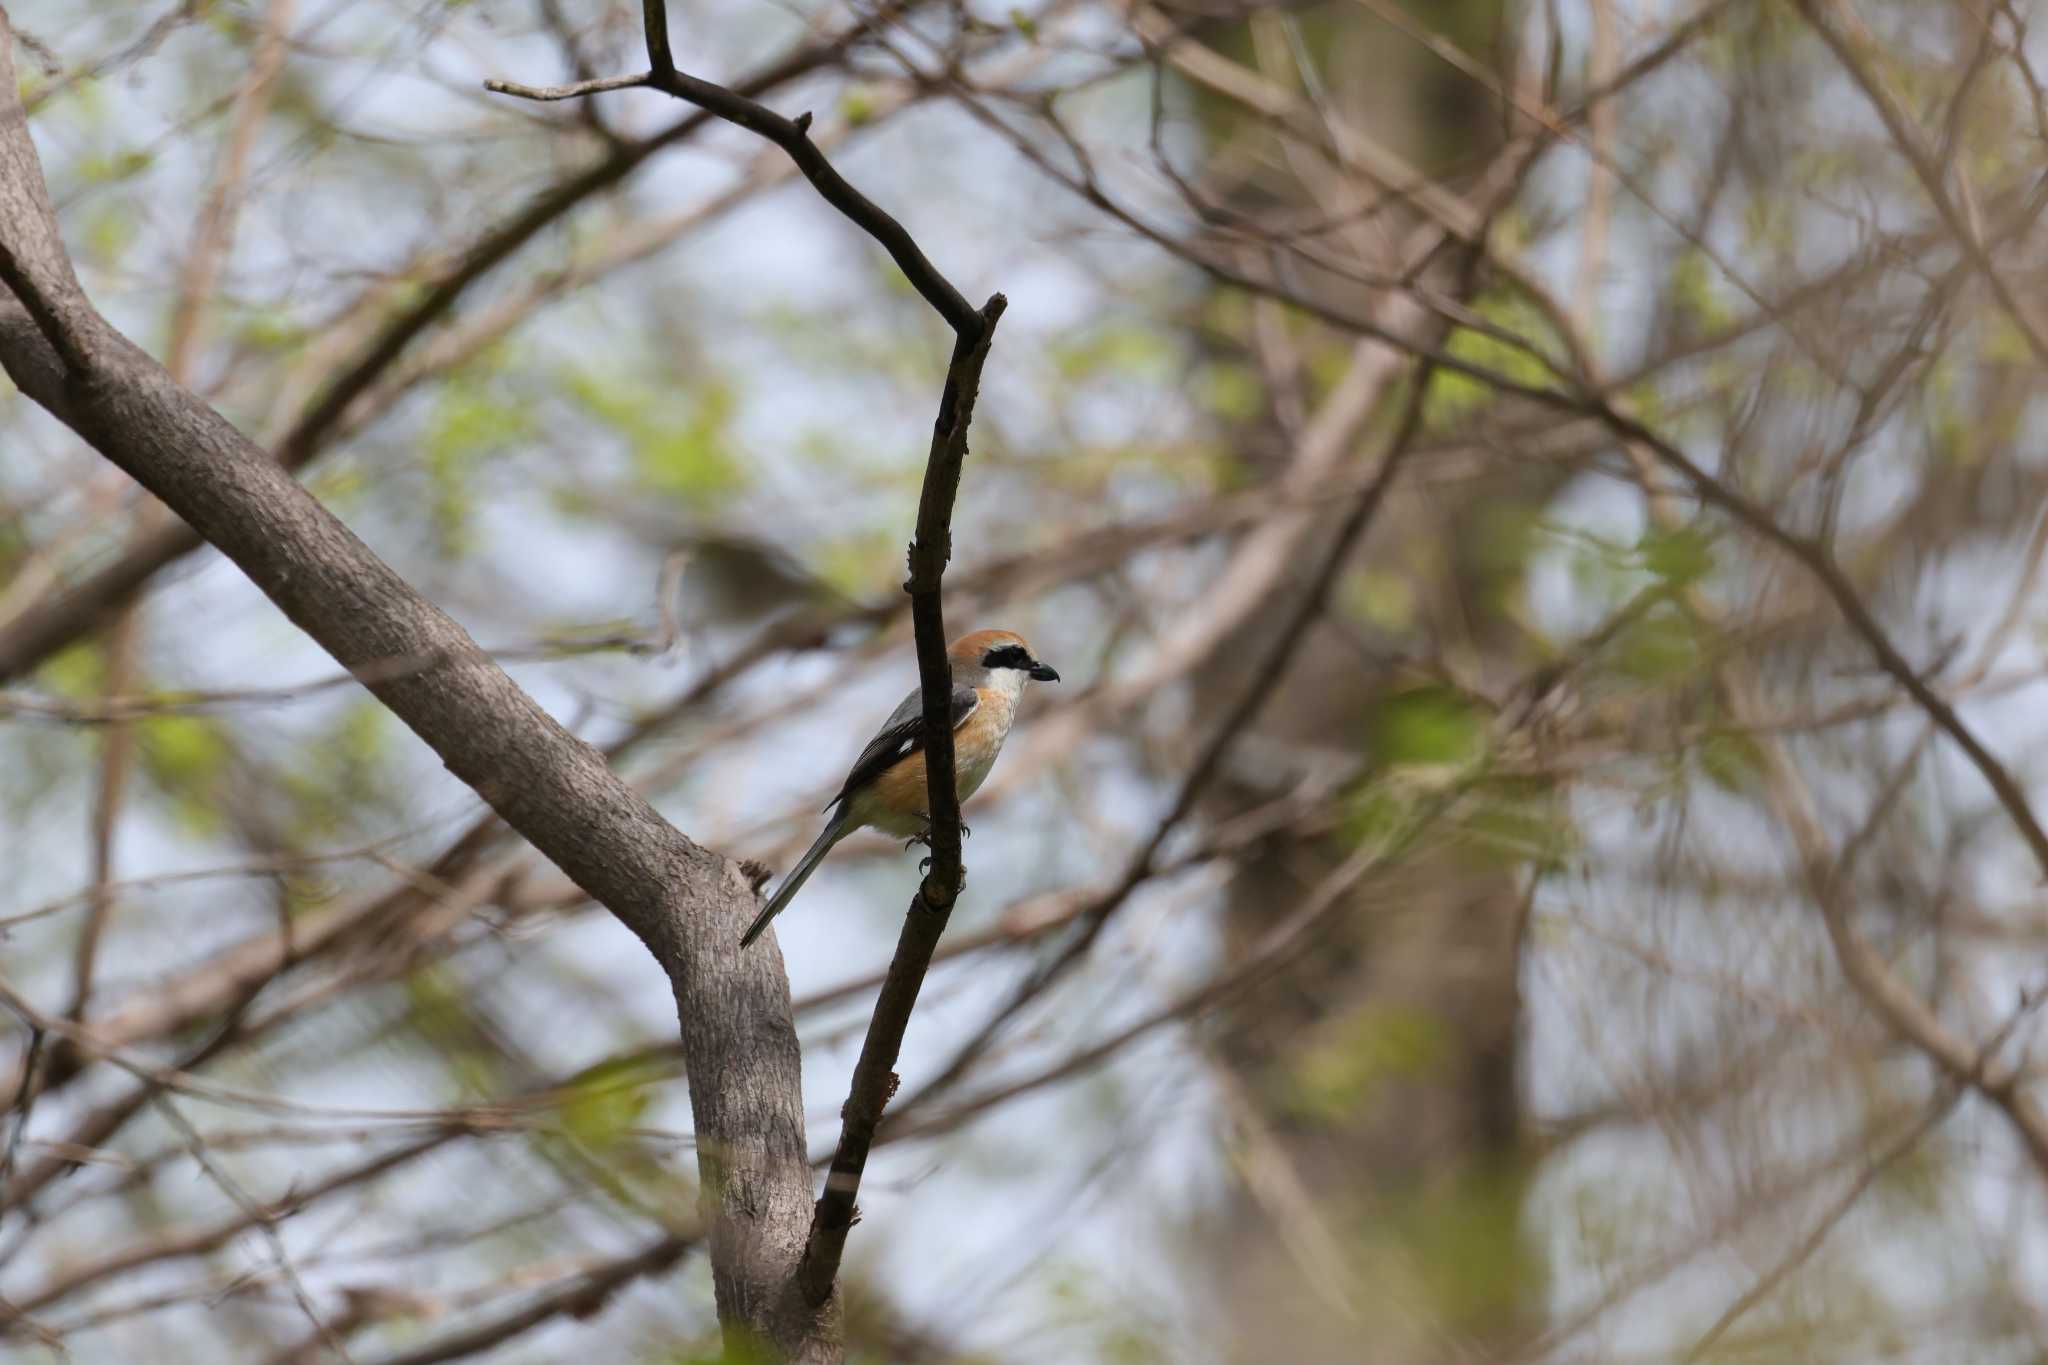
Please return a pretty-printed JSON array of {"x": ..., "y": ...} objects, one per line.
[{"x": 811, "y": 1290}]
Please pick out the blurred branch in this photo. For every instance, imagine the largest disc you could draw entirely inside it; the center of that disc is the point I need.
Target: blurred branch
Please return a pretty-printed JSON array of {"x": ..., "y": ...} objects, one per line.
[
  {"x": 1893, "y": 1152},
  {"x": 579, "y": 1296},
  {"x": 191, "y": 316},
  {"x": 1819, "y": 561},
  {"x": 55, "y": 621},
  {"x": 1588, "y": 395},
  {"x": 1851, "y": 52},
  {"x": 265, "y": 1220}
]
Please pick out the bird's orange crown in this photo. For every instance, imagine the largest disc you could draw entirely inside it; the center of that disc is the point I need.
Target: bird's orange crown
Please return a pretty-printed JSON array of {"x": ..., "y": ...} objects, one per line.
[{"x": 971, "y": 648}]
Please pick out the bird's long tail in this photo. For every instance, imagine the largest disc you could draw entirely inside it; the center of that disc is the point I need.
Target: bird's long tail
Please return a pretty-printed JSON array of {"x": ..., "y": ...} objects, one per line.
[{"x": 834, "y": 831}]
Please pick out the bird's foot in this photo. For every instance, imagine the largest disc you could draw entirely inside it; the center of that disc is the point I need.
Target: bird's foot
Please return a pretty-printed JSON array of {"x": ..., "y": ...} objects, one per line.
[{"x": 924, "y": 836}]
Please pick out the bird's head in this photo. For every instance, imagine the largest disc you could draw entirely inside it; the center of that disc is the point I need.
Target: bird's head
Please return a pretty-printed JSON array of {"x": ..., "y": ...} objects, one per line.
[{"x": 998, "y": 658}]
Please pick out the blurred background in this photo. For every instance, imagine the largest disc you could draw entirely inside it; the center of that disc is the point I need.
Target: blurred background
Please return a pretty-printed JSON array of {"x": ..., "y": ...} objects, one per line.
[{"x": 1537, "y": 507}]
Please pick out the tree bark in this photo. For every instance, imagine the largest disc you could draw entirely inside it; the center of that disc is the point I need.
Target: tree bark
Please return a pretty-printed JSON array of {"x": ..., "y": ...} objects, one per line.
[{"x": 685, "y": 902}]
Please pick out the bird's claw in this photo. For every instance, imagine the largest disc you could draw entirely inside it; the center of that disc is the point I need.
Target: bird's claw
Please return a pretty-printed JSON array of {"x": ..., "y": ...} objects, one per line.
[{"x": 925, "y": 837}]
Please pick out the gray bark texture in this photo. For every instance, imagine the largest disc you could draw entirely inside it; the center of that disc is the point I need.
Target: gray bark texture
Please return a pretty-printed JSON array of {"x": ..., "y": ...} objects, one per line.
[{"x": 685, "y": 902}]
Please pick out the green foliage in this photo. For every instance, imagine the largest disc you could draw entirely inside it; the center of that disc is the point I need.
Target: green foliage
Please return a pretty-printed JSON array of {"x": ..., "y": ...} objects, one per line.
[
  {"x": 1117, "y": 349},
  {"x": 1768, "y": 224},
  {"x": 1455, "y": 396},
  {"x": 679, "y": 438},
  {"x": 186, "y": 757},
  {"x": 1377, "y": 814},
  {"x": 343, "y": 774},
  {"x": 78, "y": 670},
  {"x": 1385, "y": 600},
  {"x": 1495, "y": 540},
  {"x": 1348, "y": 1071},
  {"x": 2002, "y": 342},
  {"x": 108, "y": 235},
  {"x": 739, "y": 1347},
  {"x": 1732, "y": 762},
  {"x": 1679, "y": 557},
  {"x": 1114, "y": 1333},
  {"x": 1694, "y": 290},
  {"x": 857, "y": 105},
  {"x": 857, "y": 563},
  {"x": 601, "y": 1105},
  {"x": 1229, "y": 391},
  {"x": 1520, "y": 820},
  {"x": 439, "y": 1012},
  {"x": 112, "y": 167},
  {"x": 269, "y": 330},
  {"x": 1464, "y": 1235},
  {"x": 473, "y": 419},
  {"x": 1428, "y": 727},
  {"x": 1660, "y": 647}
]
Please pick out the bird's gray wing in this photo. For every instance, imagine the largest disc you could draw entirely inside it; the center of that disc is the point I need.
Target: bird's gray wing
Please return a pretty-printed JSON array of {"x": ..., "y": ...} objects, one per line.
[{"x": 900, "y": 736}]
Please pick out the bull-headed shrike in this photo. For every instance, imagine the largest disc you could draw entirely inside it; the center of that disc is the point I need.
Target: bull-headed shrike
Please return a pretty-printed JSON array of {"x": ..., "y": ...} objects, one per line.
[{"x": 886, "y": 789}]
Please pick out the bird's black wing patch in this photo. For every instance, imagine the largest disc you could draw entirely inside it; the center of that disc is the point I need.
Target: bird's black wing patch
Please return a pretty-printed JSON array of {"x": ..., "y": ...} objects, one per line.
[{"x": 898, "y": 742}]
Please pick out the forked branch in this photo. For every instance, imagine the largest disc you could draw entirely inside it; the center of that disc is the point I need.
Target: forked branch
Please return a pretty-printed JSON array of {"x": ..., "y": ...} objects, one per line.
[{"x": 874, "y": 1079}]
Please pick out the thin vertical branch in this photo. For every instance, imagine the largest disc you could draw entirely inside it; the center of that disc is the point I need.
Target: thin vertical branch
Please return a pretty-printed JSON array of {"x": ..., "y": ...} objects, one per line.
[
  {"x": 973, "y": 330},
  {"x": 874, "y": 1075}
]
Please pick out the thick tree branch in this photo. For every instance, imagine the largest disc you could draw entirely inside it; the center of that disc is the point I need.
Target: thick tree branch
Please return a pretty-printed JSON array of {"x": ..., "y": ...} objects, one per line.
[{"x": 682, "y": 900}]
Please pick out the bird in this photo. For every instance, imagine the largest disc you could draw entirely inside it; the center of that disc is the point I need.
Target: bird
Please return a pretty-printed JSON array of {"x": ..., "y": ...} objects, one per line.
[{"x": 886, "y": 788}]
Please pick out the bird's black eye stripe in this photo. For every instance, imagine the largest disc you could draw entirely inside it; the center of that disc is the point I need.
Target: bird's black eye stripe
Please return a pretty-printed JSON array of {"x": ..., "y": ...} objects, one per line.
[{"x": 1008, "y": 656}]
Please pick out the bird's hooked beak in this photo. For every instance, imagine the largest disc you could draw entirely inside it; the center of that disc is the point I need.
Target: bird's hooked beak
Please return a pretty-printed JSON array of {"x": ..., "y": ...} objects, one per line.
[{"x": 1044, "y": 673}]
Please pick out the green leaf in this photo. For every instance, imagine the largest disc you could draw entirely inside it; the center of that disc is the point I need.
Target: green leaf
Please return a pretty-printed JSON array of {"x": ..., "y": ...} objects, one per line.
[
  {"x": 185, "y": 756},
  {"x": 1386, "y": 600},
  {"x": 1659, "y": 648},
  {"x": 679, "y": 439},
  {"x": 1231, "y": 392},
  {"x": 857, "y": 106},
  {"x": 1454, "y": 396},
  {"x": 1732, "y": 762},
  {"x": 1679, "y": 557},
  {"x": 1345, "y": 1072},
  {"x": 1695, "y": 292},
  {"x": 1428, "y": 726},
  {"x": 473, "y": 420},
  {"x": 600, "y": 1107}
]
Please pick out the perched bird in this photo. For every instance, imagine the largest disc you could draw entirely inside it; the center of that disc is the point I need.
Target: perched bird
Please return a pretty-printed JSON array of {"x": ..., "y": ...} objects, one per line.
[{"x": 886, "y": 789}]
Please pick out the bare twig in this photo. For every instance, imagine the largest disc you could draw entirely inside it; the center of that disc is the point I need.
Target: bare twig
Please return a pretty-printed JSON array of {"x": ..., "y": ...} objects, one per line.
[
  {"x": 579, "y": 1296},
  {"x": 1893, "y": 1152},
  {"x": 265, "y": 1220}
]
